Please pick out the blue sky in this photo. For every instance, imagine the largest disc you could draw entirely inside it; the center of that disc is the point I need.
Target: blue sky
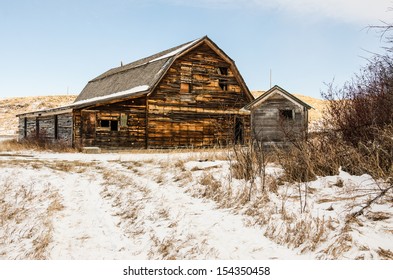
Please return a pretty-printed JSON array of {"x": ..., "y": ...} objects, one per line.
[{"x": 54, "y": 47}]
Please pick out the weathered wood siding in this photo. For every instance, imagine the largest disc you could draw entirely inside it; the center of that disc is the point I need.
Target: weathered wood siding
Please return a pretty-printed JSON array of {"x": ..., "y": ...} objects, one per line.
[
  {"x": 269, "y": 126},
  {"x": 49, "y": 128},
  {"x": 129, "y": 115},
  {"x": 64, "y": 128},
  {"x": 196, "y": 103}
]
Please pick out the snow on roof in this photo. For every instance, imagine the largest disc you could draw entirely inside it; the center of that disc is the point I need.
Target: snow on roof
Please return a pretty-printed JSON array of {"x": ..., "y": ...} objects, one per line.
[
  {"x": 120, "y": 94},
  {"x": 175, "y": 52},
  {"x": 113, "y": 95}
]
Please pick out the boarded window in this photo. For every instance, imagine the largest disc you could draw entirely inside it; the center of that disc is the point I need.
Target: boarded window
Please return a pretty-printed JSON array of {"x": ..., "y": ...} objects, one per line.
[
  {"x": 184, "y": 88},
  {"x": 185, "y": 78},
  {"x": 286, "y": 114},
  {"x": 123, "y": 120}
]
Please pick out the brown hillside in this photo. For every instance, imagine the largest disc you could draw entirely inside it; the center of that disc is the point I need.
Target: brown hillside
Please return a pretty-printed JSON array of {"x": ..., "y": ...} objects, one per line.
[{"x": 9, "y": 107}]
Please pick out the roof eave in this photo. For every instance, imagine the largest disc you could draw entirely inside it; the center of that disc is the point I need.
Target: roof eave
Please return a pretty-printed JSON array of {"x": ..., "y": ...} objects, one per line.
[
  {"x": 112, "y": 100},
  {"x": 265, "y": 95}
]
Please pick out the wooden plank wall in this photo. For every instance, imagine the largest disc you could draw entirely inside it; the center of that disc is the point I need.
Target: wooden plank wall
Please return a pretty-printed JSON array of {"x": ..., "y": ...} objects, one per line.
[
  {"x": 46, "y": 128},
  {"x": 269, "y": 127},
  {"x": 87, "y": 130},
  {"x": 64, "y": 128},
  {"x": 204, "y": 115}
]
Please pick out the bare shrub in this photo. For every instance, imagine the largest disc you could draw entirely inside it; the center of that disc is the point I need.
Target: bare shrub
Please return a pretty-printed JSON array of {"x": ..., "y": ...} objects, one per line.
[
  {"x": 248, "y": 163},
  {"x": 326, "y": 153},
  {"x": 364, "y": 102},
  {"x": 360, "y": 115}
]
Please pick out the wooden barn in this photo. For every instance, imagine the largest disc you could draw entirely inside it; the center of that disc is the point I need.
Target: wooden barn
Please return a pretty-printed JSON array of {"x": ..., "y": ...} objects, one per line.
[
  {"x": 278, "y": 117},
  {"x": 191, "y": 95}
]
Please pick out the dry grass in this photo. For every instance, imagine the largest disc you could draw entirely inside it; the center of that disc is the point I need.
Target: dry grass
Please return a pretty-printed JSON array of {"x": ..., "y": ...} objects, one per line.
[
  {"x": 26, "y": 214},
  {"x": 14, "y": 146},
  {"x": 173, "y": 247},
  {"x": 126, "y": 198},
  {"x": 211, "y": 188},
  {"x": 385, "y": 254},
  {"x": 164, "y": 248},
  {"x": 377, "y": 216}
]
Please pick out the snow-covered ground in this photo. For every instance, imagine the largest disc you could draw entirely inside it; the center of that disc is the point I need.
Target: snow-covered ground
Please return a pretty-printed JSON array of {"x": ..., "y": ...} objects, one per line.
[{"x": 181, "y": 206}]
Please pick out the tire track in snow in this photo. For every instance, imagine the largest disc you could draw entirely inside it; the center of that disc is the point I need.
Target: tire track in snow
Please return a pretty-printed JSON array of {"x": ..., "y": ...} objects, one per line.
[
  {"x": 85, "y": 229},
  {"x": 179, "y": 226}
]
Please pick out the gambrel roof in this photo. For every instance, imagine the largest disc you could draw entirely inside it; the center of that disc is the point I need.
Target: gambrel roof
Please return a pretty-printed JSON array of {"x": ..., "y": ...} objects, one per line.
[{"x": 143, "y": 74}]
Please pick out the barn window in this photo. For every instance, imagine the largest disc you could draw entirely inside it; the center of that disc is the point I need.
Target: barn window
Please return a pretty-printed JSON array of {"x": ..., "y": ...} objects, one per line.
[
  {"x": 185, "y": 88},
  {"x": 105, "y": 123},
  {"x": 223, "y": 71},
  {"x": 222, "y": 82},
  {"x": 123, "y": 120},
  {"x": 185, "y": 78},
  {"x": 286, "y": 114}
]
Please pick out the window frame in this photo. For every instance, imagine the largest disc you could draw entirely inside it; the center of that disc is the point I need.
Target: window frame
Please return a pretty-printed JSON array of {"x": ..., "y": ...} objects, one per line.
[
  {"x": 222, "y": 83},
  {"x": 284, "y": 114},
  {"x": 110, "y": 124}
]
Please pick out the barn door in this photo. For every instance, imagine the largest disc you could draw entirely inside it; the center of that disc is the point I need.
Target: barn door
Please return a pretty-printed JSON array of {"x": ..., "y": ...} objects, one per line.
[
  {"x": 88, "y": 133},
  {"x": 239, "y": 131}
]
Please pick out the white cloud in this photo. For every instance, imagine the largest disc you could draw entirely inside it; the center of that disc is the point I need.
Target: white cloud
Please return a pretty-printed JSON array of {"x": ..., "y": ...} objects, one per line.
[{"x": 360, "y": 11}]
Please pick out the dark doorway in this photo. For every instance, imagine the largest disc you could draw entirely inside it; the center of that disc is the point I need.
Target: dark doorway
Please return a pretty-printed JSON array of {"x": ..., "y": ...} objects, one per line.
[
  {"x": 239, "y": 131},
  {"x": 56, "y": 127},
  {"x": 114, "y": 125}
]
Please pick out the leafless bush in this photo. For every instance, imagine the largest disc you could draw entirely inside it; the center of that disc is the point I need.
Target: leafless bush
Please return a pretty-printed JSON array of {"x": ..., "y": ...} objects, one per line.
[
  {"x": 248, "y": 163},
  {"x": 360, "y": 114},
  {"x": 326, "y": 153}
]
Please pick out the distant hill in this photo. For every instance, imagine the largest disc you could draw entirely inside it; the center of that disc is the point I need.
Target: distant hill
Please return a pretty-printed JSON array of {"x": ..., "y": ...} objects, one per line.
[{"x": 9, "y": 107}]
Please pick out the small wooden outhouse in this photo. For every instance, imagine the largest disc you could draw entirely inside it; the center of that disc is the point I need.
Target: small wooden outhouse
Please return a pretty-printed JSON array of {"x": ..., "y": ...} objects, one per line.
[{"x": 278, "y": 117}]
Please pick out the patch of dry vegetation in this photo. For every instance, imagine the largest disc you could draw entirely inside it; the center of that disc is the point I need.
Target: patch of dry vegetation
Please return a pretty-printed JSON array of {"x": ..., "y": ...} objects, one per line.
[
  {"x": 26, "y": 214},
  {"x": 13, "y": 145},
  {"x": 126, "y": 198}
]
